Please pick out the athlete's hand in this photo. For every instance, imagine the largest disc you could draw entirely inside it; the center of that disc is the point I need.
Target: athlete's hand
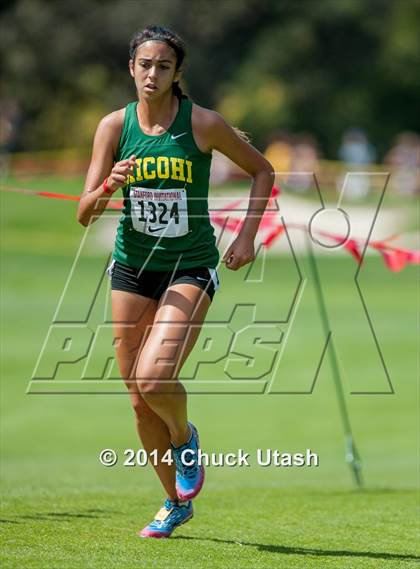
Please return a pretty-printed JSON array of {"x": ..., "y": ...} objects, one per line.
[
  {"x": 240, "y": 253},
  {"x": 120, "y": 171}
]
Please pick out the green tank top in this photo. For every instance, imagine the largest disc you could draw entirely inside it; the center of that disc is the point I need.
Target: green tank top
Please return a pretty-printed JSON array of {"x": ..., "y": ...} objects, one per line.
[{"x": 165, "y": 222}]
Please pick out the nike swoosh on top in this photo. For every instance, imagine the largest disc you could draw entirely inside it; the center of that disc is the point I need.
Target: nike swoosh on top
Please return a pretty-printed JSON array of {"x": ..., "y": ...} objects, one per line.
[{"x": 175, "y": 136}]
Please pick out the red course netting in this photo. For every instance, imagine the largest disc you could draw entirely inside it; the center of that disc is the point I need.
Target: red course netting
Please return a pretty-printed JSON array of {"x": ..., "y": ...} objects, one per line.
[{"x": 395, "y": 258}]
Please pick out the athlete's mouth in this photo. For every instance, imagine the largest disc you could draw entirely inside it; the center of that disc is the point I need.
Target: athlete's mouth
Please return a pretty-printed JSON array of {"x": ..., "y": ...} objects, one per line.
[{"x": 150, "y": 86}]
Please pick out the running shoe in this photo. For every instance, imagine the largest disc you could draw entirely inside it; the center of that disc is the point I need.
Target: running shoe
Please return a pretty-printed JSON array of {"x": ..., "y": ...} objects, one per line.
[
  {"x": 173, "y": 514},
  {"x": 189, "y": 472}
]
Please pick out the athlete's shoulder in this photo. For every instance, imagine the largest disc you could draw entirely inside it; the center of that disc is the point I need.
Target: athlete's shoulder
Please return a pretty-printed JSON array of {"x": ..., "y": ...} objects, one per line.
[
  {"x": 113, "y": 121},
  {"x": 207, "y": 118},
  {"x": 209, "y": 127},
  {"x": 109, "y": 130}
]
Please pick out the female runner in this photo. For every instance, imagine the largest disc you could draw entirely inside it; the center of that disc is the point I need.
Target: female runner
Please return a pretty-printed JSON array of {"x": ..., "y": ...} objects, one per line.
[{"x": 163, "y": 272}]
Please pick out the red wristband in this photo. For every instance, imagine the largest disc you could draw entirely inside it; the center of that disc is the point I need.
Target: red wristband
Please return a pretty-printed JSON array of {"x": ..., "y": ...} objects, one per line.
[{"x": 106, "y": 188}]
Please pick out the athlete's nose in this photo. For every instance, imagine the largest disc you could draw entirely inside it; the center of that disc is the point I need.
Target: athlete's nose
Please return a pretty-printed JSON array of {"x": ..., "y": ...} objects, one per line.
[{"x": 153, "y": 72}]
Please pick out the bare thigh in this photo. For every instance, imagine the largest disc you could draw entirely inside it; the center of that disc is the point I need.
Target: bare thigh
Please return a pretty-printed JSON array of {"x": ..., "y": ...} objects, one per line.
[
  {"x": 177, "y": 324},
  {"x": 133, "y": 317}
]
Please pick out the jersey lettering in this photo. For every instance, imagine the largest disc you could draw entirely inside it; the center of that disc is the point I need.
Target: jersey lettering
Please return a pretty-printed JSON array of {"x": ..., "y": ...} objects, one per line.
[{"x": 162, "y": 168}]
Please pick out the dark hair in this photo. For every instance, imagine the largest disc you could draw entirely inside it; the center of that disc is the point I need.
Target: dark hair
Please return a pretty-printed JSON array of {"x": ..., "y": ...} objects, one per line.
[{"x": 159, "y": 33}]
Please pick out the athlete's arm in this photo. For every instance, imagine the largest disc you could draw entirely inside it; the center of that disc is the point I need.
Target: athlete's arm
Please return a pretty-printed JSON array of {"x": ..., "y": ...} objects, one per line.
[
  {"x": 211, "y": 131},
  {"x": 94, "y": 197}
]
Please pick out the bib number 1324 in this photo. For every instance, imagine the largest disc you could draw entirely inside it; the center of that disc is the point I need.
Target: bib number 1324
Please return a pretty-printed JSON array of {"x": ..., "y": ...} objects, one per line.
[{"x": 161, "y": 213}]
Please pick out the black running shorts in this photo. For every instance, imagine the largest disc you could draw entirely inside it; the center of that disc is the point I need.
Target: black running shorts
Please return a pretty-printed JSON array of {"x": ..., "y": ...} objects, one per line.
[{"x": 153, "y": 284}]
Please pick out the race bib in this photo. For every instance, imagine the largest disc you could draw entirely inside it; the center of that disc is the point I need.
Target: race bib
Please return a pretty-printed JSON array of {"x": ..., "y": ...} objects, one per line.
[{"x": 160, "y": 213}]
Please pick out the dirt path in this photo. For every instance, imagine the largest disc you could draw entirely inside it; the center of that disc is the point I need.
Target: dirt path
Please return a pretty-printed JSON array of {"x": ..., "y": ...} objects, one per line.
[{"x": 296, "y": 210}]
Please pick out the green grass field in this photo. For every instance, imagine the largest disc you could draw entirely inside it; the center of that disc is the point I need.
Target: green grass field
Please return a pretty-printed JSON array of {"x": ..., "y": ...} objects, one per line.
[{"x": 62, "y": 508}]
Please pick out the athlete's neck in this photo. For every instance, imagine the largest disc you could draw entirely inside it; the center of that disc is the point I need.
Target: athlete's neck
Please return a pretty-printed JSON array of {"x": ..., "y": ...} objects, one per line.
[{"x": 157, "y": 116}]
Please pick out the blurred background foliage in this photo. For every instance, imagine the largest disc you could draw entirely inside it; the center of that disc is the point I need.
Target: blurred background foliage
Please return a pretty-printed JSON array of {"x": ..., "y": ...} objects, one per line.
[{"x": 266, "y": 65}]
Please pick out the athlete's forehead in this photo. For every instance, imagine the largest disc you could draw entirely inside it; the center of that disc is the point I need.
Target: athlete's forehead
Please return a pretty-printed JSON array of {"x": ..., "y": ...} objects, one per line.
[{"x": 154, "y": 50}]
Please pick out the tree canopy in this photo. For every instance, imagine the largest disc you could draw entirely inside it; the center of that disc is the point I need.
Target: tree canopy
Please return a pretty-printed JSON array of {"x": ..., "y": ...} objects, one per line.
[{"x": 304, "y": 66}]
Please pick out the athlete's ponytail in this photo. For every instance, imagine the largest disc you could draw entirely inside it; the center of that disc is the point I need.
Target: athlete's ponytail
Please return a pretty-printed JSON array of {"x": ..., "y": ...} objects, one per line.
[
  {"x": 159, "y": 33},
  {"x": 242, "y": 134},
  {"x": 177, "y": 91}
]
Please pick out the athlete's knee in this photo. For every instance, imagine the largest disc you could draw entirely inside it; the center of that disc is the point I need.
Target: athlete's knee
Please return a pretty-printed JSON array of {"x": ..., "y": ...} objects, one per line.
[
  {"x": 153, "y": 387},
  {"x": 149, "y": 387},
  {"x": 149, "y": 371}
]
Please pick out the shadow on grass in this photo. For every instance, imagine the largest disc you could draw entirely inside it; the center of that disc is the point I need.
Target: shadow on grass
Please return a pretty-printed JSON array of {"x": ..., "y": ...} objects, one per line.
[
  {"x": 59, "y": 516},
  {"x": 284, "y": 550},
  {"x": 367, "y": 491}
]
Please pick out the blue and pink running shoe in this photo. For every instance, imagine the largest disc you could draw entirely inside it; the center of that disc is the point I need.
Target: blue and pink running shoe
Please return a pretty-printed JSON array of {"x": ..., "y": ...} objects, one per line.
[
  {"x": 173, "y": 514},
  {"x": 189, "y": 471}
]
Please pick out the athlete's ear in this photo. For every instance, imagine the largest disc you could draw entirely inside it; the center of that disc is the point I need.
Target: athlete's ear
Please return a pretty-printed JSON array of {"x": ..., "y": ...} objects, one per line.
[
  {"x": 131, "y": 67},
  {"x": 178, "y": 73}
]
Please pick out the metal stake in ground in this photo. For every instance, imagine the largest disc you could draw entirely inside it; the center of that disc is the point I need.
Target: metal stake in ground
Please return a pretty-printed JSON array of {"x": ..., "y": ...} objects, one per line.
[{"x": 352, "y": 455}]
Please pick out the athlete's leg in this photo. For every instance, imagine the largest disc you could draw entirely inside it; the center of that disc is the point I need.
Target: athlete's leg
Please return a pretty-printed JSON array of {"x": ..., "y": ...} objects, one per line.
[
  {"x": 177, "y": 324},
  {"x": 133, "y": 316}
]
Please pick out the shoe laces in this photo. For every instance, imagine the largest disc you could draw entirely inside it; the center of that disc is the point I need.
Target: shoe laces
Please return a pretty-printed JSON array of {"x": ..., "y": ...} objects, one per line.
[{"x": 170, "y": 504}]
